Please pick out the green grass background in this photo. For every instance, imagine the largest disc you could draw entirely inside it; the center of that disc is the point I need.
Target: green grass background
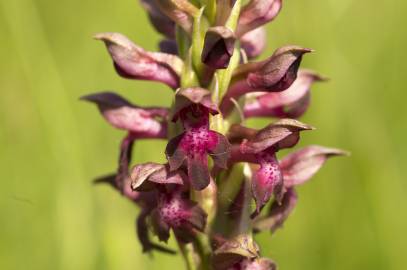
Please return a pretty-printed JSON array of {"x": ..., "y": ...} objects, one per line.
[{"x": 352, "y": 215}]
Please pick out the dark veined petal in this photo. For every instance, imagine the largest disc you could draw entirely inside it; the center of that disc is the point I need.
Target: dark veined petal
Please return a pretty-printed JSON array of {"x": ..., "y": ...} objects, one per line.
[
  {"x": 257, "y": 13},
  {"x": 278, "y": 213},
  {"x": 133, "y": 62},
  {"x": 160, "y": 21},
  {"x": 219, "y": 149},
  {"x": 283, "y": 133},
  {"x": 254, "y": 42},
  {"x": 218, "y": 47},
  {"x": 299, "y": 166},
  {"x": 267, "y": 180},
  {"x": 146, "y": 176},
  {"x": 291, "y": 103},
  {"x": 121, "y": 114}
]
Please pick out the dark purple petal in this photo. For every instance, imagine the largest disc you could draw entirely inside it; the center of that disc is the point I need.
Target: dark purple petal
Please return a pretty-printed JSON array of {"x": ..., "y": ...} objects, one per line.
[
  {"x": 268, "y": 180},
  {"x": 278, "y": 213},
  {"x": 160, "y": 21},
  {"x": 133, "y": 62},
  {"x": 254, "y": 42},
  {"x": 291, "y": 103},
  {"x": 281, "y": 134},
  {"x": 257, "y": 13},
  {"x": 142, "y": 234},
  {"x": 219, "y": 149},
  {"x": 198, "y": 172},
  {"x": 298, "y": 167},
  {"x": 121, "y": 114},
  {"x": 218, "y": 47},
  {"x": 175, "y": 154},
  {"x": 160, "y": 227},
  {"x": 146, "y": 176}
]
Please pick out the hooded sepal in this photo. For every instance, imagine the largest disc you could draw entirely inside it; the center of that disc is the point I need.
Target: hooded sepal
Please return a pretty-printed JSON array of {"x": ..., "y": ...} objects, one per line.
[
  {"x": 218, "y": 47},
  {"x": 291, "y": 103},
  {"x": 299, "y": 166},
  {"x": 278, "y": 213},
  {"x": 283, "y": 133},
  {"x": 279, "y": 71},
  {"x": 257, "y": 13},
  {"x": 146, "y": 176},
  {"x": 175, "y": 211},
  {"x": 133, "y": 62},
  {"x": 140, "y": 122},
  {"x": 232, "y": 252},
  {"x": 193, "y": 102},
  {"x": 274, "y": 74}
]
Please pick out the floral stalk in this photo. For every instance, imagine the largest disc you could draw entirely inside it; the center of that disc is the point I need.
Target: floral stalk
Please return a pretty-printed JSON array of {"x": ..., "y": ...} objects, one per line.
[{"x": 223, "y": 181}]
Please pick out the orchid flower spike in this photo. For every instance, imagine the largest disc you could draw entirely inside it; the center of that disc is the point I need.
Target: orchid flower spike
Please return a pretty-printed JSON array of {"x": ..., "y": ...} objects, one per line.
[{"x": 216, "y": 165}]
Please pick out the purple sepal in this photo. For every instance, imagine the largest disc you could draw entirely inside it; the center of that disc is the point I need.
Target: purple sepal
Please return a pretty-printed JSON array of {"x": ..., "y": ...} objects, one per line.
[{"x": 133, "y": 62}]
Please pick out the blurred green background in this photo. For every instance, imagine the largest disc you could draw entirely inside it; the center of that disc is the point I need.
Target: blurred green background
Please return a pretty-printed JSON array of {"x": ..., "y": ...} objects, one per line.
[{"x": 353, "y": 215}]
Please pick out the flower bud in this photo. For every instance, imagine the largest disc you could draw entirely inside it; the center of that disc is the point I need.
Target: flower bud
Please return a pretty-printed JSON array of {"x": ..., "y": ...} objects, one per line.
[
  {"x": 257, "y": 13},
  {"x": 218, "y": 47},
  {"x": 133, "y": 62}
]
